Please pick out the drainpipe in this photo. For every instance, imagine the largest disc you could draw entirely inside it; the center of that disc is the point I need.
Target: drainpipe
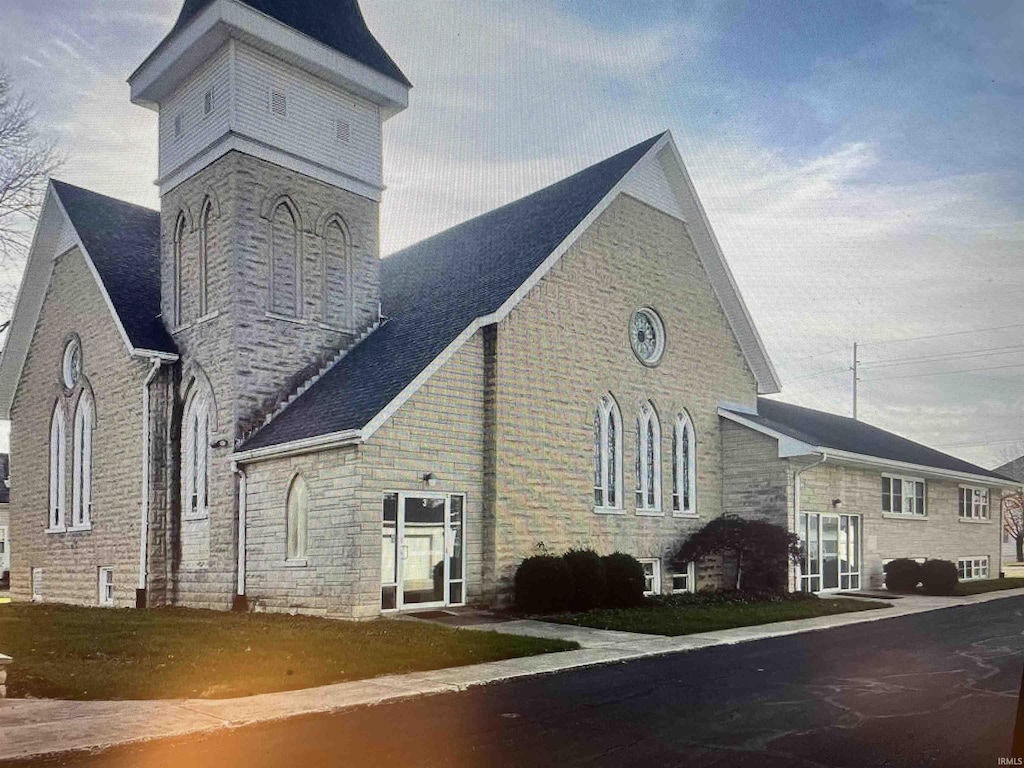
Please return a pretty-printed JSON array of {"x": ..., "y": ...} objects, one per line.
[
  {"x": 240, "y": 602},
  {"x": 140, "y": 592},
  {"x": 796, "y": 496}
]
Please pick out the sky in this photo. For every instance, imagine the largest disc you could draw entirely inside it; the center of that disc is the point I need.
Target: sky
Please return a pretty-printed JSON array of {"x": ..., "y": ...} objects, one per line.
[{"x": 859, "y": 161}]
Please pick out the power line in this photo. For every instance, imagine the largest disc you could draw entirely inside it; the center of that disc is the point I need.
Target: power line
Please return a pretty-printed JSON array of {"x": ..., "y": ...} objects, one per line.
[
  {"x": 947, "y": 356},
  {"x": 944, "y": 373},
  {"x": 942, "y": 335},
  {"x": 816, "y": 375},
  {"x": 811, "y": 357},
  {"x": 990, "y": 442}
]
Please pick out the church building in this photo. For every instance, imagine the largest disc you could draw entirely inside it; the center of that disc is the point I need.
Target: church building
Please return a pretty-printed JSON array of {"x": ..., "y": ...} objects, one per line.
[{"x": 235, "y": 402}]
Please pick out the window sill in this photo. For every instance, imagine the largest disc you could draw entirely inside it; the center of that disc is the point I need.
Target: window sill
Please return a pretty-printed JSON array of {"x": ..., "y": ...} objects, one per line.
[
  {"x": 686, "y": 515},
  {"x": 80, "y": 528},
  {"x": 609, "y": 511},
  {"x": 974, "y": 520},
  {"x": 62, "y": 529},
  {"x": 287, "y": 318},
  {"x": 329, "y": 327},
  {"x": 649, "y": 513},
  {"x": 198, "y": 321},
  {"x": 297, "y": 563},
  {"x": 898, "y": 516},
  {"x": 195, "y": 518}
]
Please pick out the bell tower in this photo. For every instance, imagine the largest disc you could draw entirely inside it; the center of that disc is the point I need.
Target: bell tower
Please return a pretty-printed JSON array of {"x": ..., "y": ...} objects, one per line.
[{"x": 271, "y": 115}]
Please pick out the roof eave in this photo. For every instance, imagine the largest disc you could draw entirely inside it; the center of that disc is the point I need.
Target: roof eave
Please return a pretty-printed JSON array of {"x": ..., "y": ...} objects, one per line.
[{"x": 178, "y": 55}]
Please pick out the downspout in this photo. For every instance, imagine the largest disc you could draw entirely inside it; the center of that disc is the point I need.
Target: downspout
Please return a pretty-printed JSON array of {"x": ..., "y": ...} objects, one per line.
[
  {"x": 240, "y": 602},
  {"x": 796, "y": 500},
  {"x": 140, "y": 592}
]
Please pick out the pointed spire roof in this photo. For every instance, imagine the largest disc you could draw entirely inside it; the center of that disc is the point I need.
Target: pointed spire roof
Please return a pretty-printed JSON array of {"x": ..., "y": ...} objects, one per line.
[{"x": 335, "y": 23}]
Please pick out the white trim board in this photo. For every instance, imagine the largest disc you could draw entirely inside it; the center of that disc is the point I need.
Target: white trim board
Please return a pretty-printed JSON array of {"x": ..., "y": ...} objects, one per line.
[{"x": 662, "y": 152}]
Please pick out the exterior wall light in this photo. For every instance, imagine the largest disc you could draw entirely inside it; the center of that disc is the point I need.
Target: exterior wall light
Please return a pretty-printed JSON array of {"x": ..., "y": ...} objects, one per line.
[
  {"x": 837, "y": 503},
  {"x": 430, "y": 480}
]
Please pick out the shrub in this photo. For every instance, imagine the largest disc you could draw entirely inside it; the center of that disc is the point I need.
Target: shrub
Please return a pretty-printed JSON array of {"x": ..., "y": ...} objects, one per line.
[
  {"x": 542, "y": 585},
  {"x": 760, "y": 550},
  {"x": 902, "y": 575},
  {"x": 587, "y": 578},
  {"x": 939, "y": 577},
  {"x": 625, "y": 581}
]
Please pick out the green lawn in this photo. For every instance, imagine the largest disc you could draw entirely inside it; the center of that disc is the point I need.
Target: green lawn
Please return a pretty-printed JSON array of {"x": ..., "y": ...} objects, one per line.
[
  {"x": 988, "y": 585},
  {"x": 695, "y": 613},
  {"x": 95, "y": 653}
]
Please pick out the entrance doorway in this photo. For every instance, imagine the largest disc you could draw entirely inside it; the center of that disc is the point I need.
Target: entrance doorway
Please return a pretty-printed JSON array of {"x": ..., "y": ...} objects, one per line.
[
  {"x": 831, "y": 547},
  {"x": 422, "y": 550}
]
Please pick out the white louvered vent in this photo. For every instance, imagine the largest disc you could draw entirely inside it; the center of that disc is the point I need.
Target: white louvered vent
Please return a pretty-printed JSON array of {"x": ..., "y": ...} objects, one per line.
[
  {"x": 208, "y": 102},
  {"x": 342, "y": 131},
  {"x": 278, "y": 102},
  {"x": 179, "y": 125}
]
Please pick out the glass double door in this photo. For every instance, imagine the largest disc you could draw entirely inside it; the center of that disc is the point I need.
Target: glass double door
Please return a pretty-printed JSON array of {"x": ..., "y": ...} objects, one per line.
[
  {"x": 831, "y": 552},
  {"x": 422, "y": 554}
]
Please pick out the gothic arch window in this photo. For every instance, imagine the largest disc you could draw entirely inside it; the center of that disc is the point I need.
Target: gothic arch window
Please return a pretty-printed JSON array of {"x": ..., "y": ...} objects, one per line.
[
  {"x": 205, "y": 241},
  {"x": 607, "y": 455},
  {"x": 648, "y": 460},
  {"x": 58, "y": 468},
  {"x": 297, "y": 511},
  {"x": 684, "y": 466},
  {"x": 285, "y": 271},
  {"x": 81, "y": 473},
  {"x": 195, "y": 452},
  {"x": 338, "y": 275},
  {"x": 179, "y": 241}
]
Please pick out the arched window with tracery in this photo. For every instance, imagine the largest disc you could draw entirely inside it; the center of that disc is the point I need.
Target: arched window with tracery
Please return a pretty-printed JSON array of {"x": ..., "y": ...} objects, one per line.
[
  {"x": 684, "y": 466},
  {"x": 58, "y": 468},
  {"x": 297, "y": 513},
  {"x": 648, "y": 460},
  {"x": 195, "y": 452},
  {"x": 607, "y": 455},
  {"x": 81, "y": 473}
]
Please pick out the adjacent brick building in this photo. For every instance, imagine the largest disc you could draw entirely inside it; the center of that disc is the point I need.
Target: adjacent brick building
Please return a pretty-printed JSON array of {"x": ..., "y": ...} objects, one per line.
[{"x": 235, "y": 402}]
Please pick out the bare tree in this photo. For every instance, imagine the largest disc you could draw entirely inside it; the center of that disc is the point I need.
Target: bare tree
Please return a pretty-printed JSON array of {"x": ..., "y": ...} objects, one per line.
[
  {"x": 26, "y": 160},
  {"x": 1013, "y": 521}
]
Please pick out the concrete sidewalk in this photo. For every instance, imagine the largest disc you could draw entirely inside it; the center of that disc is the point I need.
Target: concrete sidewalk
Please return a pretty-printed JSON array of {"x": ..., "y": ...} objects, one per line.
[{"x": 31, "y": 727}]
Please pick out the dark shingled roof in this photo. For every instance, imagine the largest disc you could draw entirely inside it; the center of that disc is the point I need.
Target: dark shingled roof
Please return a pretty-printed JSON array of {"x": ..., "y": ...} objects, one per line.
[
  {"x": 336, "y": 23},
  {"x": 841, "y": 433},
  {"x": 1014, "y": 469},
  {"x": 123, "y": 241},
  {"x": 432, "y": 291}
]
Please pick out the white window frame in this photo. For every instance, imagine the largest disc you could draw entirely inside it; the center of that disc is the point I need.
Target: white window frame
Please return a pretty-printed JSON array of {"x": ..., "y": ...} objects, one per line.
[
  {"x": 297, "y": 541},
  {"x": 913, "y": 513},
  {"x": 56, "y": 522},
  {"x": 195, "y": 454},
  {"x": 81, "y": 471},
  {"x": 690, "y": 574},
  {"x": 973, "y": 568},
  {"x": 105, "y": 581},
  {"x": 36, "y": 576},
  {"x": 684, "y": 436},
  {"x": 647, "y": 419},
  {"x": 5, "y": 550},
  {"x": 609, "y": 467},
  {"x": 655, "y": 576},
  {"x": 973, "y": 503}
]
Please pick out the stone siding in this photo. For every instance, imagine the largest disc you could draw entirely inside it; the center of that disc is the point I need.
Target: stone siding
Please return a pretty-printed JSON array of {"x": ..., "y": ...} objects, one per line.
[
  {"x": 439, "y": 430},
  {"x": 563, "y": 347},
  {"x": 755, "y": 481},
  {"x": 74, "y": 305}
]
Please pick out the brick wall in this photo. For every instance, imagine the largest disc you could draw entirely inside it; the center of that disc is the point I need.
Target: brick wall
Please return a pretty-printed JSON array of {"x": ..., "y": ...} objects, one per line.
[
  {"x": 566, "y": 345},
  {"x": 74, "y": 304}
]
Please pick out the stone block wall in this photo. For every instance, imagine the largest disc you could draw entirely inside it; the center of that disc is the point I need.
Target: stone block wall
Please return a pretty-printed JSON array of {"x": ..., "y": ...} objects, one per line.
[{"x": 564, "y": 346}]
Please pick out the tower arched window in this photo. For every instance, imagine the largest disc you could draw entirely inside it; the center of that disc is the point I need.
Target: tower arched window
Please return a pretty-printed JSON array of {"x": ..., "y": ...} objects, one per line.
[
  {"x": 179, "y": 240},
  {"x": 58, "y": 468},
  {"x": 338, "y": 276},
  {"x": 285, "y": 274},
  {"x": 648, "y": 460},
  {"x": 607, "y": 455},
  {"x": 195, "y": 453},
  {"x": 684, "y": 466},
  {"x": 205, "y": 245},
  {"x": 297, "y": 511},
  {"x": 81, "y": 473}
]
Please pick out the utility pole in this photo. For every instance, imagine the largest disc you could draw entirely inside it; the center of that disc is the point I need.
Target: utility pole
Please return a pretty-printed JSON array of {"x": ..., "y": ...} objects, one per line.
[{"x": 856, "y": 377}]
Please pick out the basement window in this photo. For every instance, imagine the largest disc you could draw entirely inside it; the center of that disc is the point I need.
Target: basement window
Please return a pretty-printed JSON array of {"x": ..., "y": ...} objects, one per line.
[
  {"x": 652, "y": 575},
  {"x": 972, "y": 568},
  {"x": 106, "y": 583}
]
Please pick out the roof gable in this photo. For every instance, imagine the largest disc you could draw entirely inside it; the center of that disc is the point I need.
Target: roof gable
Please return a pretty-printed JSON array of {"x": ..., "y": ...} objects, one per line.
[
  {"x": 822, "y": 430},
  {"x": 338, "y": 24}
]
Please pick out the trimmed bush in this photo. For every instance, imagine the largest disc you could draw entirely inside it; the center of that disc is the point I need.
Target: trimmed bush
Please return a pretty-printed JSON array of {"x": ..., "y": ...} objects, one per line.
[
  {"x": 939, "y": 577},
  {"x": 542, "y": 585},
  {"x": 625, "y": 580},
  {"x": 902, "y": 574},
  {"x": 587, "y": 577}
]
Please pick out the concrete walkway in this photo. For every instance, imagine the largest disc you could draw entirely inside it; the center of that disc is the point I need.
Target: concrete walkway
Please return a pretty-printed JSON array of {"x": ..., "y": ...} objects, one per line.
[{"x": 30, "y": 727}]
